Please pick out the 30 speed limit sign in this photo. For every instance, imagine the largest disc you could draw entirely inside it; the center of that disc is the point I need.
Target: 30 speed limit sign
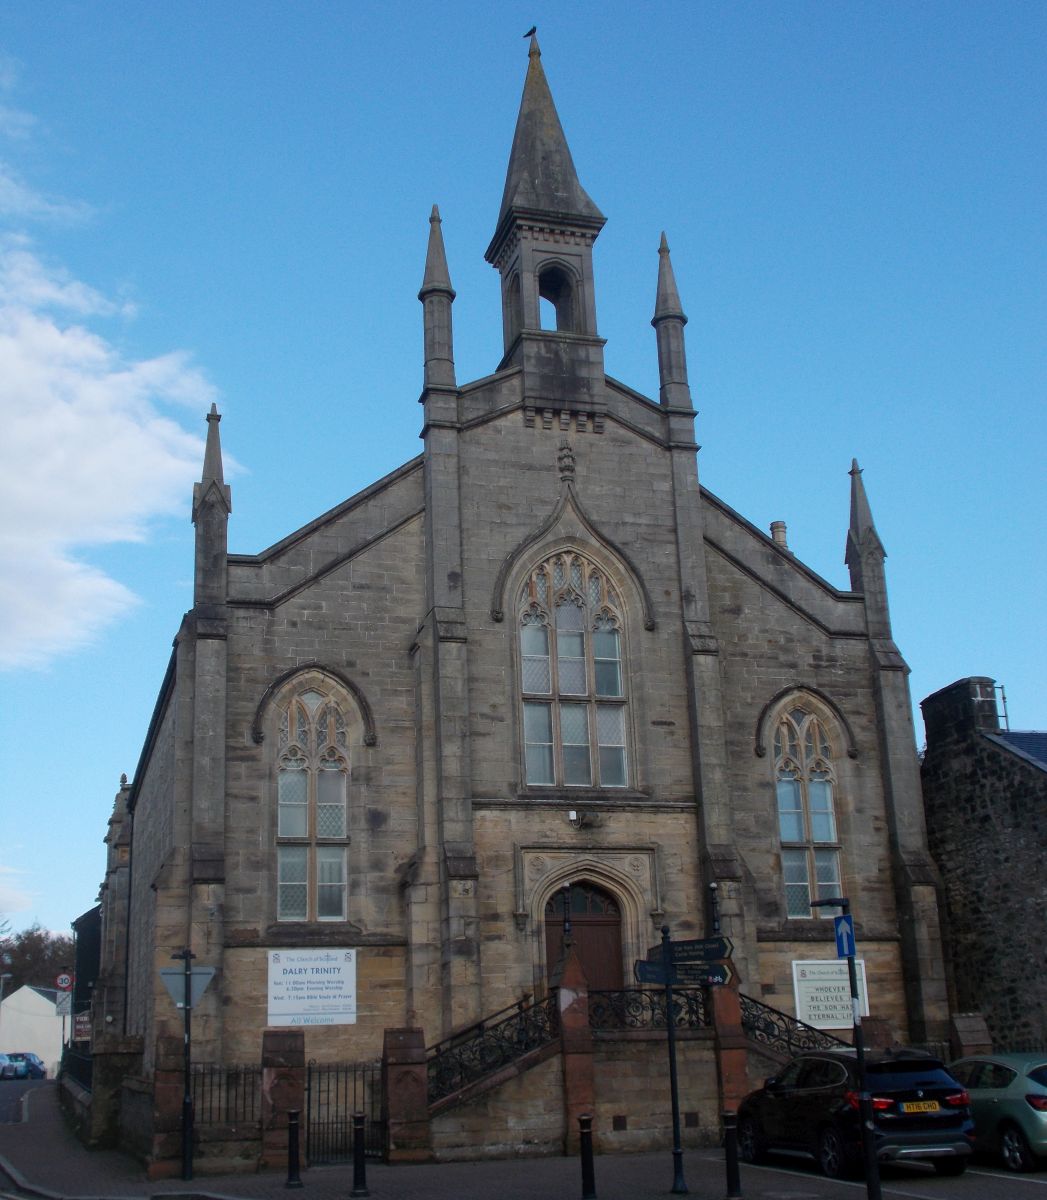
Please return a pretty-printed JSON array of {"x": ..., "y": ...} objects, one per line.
[{"x": 64, "y": 982}]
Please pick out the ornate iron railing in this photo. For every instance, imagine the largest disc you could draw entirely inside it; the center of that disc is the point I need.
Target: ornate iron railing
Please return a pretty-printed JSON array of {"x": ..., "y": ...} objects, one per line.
[
  {"x": 780, "y": 1032},
  {"x": 491, "y": 1044},
  {"x": 333, "y": 1093},
  {"x": 644, "y": 1008},
  {"x": 226, "y": 1095},
  {"x": 78, "y": 1066}
]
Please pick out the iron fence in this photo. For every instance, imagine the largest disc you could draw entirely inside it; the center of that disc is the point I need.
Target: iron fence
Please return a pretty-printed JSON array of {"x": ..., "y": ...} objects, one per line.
[
  {"x": 780, "y": 1032},
  {"x": 644, "y": 1008},
  {"x": 226, "y": 1095},
  {"x": 79, "y": 1066},
  {"x": 491, "y": 1044},
  {"x": 333, "y": 1092}
]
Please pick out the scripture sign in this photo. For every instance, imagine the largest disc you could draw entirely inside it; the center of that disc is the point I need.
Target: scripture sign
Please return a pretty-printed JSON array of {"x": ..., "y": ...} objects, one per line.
[
  {"x": 823, "y": 992},
  {"x": 312, "y": 987}
]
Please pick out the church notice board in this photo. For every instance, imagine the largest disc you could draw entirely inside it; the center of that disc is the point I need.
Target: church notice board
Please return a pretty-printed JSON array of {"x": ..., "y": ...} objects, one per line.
[
  {"x": 823, "y": 992},
  {"x": 312, "y": 987}
]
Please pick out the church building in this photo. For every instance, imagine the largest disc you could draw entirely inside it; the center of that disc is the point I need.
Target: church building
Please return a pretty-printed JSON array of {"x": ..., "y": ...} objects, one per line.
[{"x": 534, "y": 688}]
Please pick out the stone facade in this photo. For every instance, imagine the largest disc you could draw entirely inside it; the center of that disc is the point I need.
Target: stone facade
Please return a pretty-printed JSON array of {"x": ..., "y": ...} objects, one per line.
[
  {"x": 986, "y": 800},
  {"x": 391, "y": 651}
]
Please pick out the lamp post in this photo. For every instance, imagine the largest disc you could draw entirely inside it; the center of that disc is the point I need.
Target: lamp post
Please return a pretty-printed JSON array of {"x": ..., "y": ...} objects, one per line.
[
  {"x": 187, "y": 957},
  {"x": 865, "y": 1110}
]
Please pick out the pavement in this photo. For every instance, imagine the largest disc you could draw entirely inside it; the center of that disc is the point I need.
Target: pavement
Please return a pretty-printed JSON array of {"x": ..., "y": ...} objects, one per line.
[{"x": 40, "y": 1156}]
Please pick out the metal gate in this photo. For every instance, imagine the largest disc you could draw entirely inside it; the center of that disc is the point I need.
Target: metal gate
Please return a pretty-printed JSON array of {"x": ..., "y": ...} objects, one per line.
[{"x": 333, "y": 1092}]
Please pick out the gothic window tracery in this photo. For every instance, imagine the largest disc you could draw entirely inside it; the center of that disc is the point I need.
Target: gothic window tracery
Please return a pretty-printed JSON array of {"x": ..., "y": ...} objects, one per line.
[
  {"x": 573, "y": 682},
  {"x": 805, "y": 782},
  {"x": 312, "y": 800}
]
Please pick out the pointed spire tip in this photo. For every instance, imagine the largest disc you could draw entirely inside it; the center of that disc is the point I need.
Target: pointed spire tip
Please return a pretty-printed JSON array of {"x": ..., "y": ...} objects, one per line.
[{"x": 435, "y": 214}]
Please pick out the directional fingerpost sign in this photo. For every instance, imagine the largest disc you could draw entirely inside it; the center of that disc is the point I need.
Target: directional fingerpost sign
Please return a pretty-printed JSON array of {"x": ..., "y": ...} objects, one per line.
[
  {"x": 701, "y": 974},
  {"x": 844, "y": 925},
  {"x": 695, "y": 950},
  {"x": 648, "y": 972}
]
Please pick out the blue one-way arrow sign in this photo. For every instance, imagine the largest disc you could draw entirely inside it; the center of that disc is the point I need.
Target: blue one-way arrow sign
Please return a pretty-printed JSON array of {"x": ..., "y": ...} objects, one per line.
[{"x": 844, "y": 925}]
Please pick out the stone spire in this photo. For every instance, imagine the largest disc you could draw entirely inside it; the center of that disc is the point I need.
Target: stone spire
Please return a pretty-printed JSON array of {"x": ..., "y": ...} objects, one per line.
[
  {"x": 541, "y": 175},
  {"x": 212, "y": 504},
  {"x": 437, "y": 296},
  {"x": 668, "y": 322},
  {"x": 862, "y": 538},
  {"x": 543, "y": 250},
  {"x": 865, "y": 558}
]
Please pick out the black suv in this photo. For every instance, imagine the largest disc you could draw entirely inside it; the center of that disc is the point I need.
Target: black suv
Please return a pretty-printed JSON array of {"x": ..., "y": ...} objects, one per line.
[{"x": 811, "y": 1108}]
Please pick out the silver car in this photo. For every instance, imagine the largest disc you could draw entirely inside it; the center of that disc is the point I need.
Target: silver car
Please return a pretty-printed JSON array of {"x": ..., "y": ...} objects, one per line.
[{"x": 1009, "y": 1104}]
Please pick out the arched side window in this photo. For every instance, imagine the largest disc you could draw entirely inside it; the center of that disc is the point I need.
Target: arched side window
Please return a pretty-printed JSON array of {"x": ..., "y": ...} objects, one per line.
[
  {"x": 312, "y": 801},
  {"x": 556, "y": 289},
  {"x": 806, "y": 785},
  {"x": 571, "y": 660}
]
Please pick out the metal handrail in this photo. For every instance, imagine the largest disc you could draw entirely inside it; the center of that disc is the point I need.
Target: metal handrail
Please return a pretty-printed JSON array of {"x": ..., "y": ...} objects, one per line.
[
  {"x": 781, "y": 1032},
  {"x": 473, "y": 1053}
]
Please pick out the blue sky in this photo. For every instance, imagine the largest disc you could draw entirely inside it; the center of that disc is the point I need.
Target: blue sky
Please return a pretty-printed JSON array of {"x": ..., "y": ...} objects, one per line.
[{"x": 230, "y": 202}]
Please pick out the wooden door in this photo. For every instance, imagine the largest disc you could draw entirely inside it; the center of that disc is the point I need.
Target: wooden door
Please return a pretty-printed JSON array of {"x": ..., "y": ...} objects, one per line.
[{"x": 596, "y": 927}]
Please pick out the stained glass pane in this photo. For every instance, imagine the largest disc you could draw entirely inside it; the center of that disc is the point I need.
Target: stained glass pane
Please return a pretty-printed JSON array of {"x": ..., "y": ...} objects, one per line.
[
  {"x": 797, "y": 883},
  {"x": 312, "y": 700},
  {"x": 610, "y": 725},
  {"x": 790, "y": 813},
  {"x": 292, "y": 901},
  {"x": 574, "y": 734},
  {"x": 537, "y": 672},
  {"x": 607, "y": 661},
  {"x": 539, "y": 764},
  {"x": 827, "y": 872},
  {"x": 330, "y": 883},
  {"x": 538, "y": 739},
  {"x": 293, "y": 795},
  {"x": 537, "y": 676},
  {"x": 577, "y": 768},
  {"x": 559, "y": 573},
  {"x": 339, "y": 730},
  {"x": 285, "y": 735},
  {"x": 569, "y": 616},
  {"x": 612, "y": 766},
  {"x": 574, "y": 724},
  {"x": 302, "y": 731},
  {"x": 823, "y": 821},
  {"x": 321, "y": 729},
  {"x": 541, "y": 587},
  {"x": 576, "y": 575},
  {"x": 594, "y": 589},
  {"x": 330, "y": 797}
]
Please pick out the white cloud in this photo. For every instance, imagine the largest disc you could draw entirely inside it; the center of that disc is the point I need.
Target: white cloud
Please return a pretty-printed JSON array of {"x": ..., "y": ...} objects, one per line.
[
  {"x": 13, "y": 896},
  {"x": 88, "y": 456}
]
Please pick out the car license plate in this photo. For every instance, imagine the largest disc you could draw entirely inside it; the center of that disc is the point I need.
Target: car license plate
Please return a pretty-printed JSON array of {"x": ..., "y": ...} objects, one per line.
[{"x": 919, "y": 1106}]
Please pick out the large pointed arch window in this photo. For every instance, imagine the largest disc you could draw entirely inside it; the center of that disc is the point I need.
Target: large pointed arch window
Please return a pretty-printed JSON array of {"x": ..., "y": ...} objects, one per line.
[
  {"x": 312, "y": 830},
  {"x": 574, "y": 703},
  {"x": 806, "y": 785}
]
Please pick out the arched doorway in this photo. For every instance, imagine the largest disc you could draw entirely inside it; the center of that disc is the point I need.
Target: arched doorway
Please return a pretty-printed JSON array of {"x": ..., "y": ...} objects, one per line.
[{"x": 596, "y": 927}]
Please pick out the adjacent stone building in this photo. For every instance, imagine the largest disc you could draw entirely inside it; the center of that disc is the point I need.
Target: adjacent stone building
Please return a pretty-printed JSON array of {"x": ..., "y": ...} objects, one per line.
[
  {"x": 985, "y": 791},
  {"x": 537, "y": 667}
]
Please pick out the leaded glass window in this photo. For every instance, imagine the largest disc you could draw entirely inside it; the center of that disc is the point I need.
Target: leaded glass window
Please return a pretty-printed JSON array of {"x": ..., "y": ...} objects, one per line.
[
  {"x": 312, "y": 802},
  {"x": 572, "y": 676},
  {"x": 805, "y": 785}
]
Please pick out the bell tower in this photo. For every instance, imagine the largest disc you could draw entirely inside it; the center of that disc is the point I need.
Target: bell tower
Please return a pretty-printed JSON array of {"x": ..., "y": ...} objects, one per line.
[{"x": 543, "y": 250}]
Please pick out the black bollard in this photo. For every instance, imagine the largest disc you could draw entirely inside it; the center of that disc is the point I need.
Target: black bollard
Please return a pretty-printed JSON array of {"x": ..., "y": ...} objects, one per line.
[
  {"x": 293, "y": 1178},
  {"x": 585, "y": 1149},
  {"x": 730, "y": 1146},
  {"x": 359, "y": 1166}
]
